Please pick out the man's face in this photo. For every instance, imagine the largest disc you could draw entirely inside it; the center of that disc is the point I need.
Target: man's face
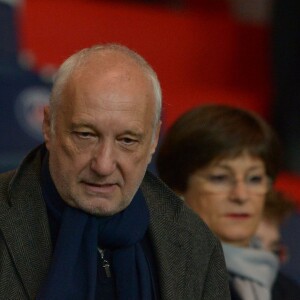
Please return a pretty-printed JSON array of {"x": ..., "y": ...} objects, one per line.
[{"x": 103, "y": 139}]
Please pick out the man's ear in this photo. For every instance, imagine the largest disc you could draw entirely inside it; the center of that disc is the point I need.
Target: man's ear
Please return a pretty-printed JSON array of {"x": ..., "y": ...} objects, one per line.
[
  {"x": 47, "y": 125},
  {"x": 155, "y": 140}
]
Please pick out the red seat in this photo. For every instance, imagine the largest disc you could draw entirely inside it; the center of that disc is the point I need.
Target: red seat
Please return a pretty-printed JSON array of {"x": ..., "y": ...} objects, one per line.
[{"x": 289, "y": 184}]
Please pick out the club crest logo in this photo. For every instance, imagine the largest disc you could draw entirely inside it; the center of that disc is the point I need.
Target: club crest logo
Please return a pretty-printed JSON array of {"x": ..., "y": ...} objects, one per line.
[{"x": 29, "y": 108}]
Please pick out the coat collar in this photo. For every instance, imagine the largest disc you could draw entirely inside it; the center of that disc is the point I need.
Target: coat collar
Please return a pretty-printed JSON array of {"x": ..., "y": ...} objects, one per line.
[{"x": 24, "y": 224}]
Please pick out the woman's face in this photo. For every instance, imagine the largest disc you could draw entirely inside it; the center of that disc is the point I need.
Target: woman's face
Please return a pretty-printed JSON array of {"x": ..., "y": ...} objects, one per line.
[{"x": 229, "y": 196}]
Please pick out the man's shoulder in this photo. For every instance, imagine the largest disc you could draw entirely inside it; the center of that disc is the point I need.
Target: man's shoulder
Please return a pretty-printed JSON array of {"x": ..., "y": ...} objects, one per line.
[
  {"x": 180, "y": 238},
  {"x": 166, "y": 206},
  {"x": 22, "y": 177},
  {"x": 5, "y": 179}
]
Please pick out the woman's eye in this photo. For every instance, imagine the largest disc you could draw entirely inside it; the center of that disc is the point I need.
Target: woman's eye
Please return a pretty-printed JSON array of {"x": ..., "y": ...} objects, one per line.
[
  {"x": 255, "y": 179},
  {"x": 219, "y": 178}
]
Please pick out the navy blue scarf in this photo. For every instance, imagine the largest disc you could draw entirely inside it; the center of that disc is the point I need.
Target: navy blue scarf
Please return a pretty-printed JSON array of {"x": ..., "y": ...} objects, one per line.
[{"x": 77, "y": 235}]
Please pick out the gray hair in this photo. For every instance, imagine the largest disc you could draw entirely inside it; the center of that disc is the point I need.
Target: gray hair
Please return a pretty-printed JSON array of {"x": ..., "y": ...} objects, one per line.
[{"x": 77, "y": 59}]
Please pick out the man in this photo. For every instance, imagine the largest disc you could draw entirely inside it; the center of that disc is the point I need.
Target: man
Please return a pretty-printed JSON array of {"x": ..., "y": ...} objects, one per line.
[{"x": 81, "y": 218}]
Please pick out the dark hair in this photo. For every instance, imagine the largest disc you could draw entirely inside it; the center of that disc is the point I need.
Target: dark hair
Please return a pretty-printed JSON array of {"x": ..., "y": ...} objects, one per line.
[
  {"x": 211, "y": 132},
  {"x": 278, "y": 207}
]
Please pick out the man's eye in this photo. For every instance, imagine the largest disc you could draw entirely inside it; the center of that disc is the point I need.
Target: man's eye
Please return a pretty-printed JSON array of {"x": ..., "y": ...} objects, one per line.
[
  {"x": 128, "y": 141},
  {"x": 84, "y": 134}
]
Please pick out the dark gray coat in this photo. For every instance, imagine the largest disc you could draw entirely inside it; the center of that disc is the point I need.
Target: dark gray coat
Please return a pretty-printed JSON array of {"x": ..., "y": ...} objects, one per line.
[{"x": 190, "y": 259}]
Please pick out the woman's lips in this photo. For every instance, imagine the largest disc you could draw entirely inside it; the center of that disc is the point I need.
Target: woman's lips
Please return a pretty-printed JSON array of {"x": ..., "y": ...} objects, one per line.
[{"x": 238, "y": 215}]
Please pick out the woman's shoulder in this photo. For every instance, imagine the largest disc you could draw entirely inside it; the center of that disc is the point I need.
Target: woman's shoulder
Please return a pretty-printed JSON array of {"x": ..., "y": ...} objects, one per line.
[{"x": 285, "y": 288}]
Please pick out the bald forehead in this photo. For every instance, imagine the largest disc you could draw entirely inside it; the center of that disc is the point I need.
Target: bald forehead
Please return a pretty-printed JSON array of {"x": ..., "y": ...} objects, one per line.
[
  {"x": 107, "y": 60},
  {"x": 97, "y": 67},
  {"x": 110, "y": 81},
  {"x": 110, "y": 68}
]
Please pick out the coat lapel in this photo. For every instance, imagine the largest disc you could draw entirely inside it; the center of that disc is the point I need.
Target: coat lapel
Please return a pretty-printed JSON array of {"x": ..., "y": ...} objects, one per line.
[
  {"x": 170, "y": 245},
  {"x": 170, "y": 255},
  {"x": 25, "y": 228}
]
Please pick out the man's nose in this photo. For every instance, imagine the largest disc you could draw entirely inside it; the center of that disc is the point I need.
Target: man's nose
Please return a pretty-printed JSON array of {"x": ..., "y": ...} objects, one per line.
[{"x": 104, "y": 159}]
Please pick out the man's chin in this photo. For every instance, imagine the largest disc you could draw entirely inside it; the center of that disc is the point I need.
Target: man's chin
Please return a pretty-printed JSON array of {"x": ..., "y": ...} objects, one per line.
[{"x": 102, "y": 207}]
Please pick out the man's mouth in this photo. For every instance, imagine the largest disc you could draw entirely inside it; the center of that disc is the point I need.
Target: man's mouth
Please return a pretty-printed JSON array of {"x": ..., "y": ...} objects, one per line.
[{"x": 100, "y": 188}]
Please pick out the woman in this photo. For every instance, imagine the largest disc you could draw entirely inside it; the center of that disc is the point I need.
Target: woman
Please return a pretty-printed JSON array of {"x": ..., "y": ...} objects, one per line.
[{"x": 222, "y": 161}]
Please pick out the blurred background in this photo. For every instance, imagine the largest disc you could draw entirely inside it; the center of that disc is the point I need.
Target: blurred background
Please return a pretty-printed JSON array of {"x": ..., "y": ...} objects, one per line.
[{"x": 244, "y": 53}]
